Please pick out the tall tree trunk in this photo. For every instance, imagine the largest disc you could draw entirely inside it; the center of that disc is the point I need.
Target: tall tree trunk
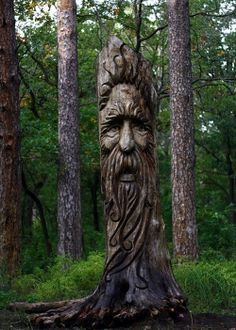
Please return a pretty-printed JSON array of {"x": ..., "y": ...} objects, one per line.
[
  {"x": 69, "y": 215},
  {"x": 182, "y": 132},
  {"x": 9, "y": 142}
]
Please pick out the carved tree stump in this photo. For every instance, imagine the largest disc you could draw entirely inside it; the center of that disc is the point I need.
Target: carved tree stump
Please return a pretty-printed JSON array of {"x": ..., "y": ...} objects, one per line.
[{"x": 137, "y": 279}]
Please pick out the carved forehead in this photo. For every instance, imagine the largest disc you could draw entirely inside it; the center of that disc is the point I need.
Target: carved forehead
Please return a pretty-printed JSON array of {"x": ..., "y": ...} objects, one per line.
[
  {"x": 125, "y": 100},
  {"x": 125, "y": 93}
]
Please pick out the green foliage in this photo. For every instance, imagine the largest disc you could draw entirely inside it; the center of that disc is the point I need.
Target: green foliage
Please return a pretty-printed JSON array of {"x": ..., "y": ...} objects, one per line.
[
  {"x": 34, "y": 252},
  {"x": 65, "y": 279},
  {"x": 7, "y": 294},
  {"x": 25, "y": 284},
  {"x": 210, "y": 287},
  {"x": 7, "y": 297},
  {"x": 216, "y": 235},
  {"x": 95, "y": 240}
]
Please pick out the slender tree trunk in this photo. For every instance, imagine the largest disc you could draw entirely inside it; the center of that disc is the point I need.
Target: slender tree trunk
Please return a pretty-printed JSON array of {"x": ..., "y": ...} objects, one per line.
[
  {"x": 9, "y": 142},
  {"x": 69, "y": 222},
  {"x": 137, "y": 6},
  {"x": 27, "y": 218},
  {"x": 182, "y": 132},
  {"x": 39, "y": 205},
  {"x": 27, "y": 210}
]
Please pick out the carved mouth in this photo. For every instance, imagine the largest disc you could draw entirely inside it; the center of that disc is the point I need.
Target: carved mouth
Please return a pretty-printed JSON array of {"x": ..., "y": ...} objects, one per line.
[{"x": 127, "y": 177}]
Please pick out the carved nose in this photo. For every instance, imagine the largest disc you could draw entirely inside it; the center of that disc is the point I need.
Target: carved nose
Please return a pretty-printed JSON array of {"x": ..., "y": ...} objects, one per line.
[{"x": 126, "y": 138}]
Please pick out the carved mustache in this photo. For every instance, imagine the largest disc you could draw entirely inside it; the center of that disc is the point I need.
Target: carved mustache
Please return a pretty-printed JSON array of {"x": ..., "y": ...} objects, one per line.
[
  {"x": 118, "y": 163},
  {"x": 127, "y": 163}
]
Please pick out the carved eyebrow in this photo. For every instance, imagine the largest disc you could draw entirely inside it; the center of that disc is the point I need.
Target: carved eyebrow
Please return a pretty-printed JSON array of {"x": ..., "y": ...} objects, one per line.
[
  {"x": 111, "y": 121},
  {"x": 139, "y": 114},
  {"x": 120, "y": 111},
  {"x": 128, "y": 110}
]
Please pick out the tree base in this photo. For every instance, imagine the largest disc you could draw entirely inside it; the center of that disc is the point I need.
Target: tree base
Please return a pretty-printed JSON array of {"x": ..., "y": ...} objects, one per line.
[{"x": 100, "y": 311}]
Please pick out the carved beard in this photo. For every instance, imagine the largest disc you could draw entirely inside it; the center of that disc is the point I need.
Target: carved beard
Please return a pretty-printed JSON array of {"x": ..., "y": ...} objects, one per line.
[{"x": 128, "y": 204}]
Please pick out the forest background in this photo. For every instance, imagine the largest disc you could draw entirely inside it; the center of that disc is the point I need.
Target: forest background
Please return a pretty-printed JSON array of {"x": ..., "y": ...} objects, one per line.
[{"x": 209, "y": 283}]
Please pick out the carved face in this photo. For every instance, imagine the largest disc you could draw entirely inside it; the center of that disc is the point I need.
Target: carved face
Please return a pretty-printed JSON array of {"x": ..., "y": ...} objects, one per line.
[
  {"x": 128, "y": 173},
  {"x": 125, "y": 124}
]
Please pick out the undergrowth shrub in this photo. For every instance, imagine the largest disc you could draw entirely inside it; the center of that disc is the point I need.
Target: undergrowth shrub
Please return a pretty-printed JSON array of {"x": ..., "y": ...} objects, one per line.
[
  {"x": 34, "y": 251},
  {"x": 209, "y": 287},
  {"x": 65, "y": 279},
  {"x": 7, "y": 295}
]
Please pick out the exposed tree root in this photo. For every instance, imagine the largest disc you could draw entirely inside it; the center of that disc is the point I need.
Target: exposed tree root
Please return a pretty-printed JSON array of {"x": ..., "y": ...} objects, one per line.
[
  {"x": 40, "y": 307},
  {"x": 99, "y": 311}
]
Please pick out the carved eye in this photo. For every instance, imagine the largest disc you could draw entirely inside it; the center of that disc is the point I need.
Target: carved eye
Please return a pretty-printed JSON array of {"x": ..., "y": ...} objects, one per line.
[
  {"x": 114, "y": 129},
  {"x": 140, "y": 128}
]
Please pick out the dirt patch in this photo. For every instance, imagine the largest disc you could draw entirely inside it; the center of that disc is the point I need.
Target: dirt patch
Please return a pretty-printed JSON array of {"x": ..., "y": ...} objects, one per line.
[
  {"x": 194, "y": 322},
  {"x": 13, "y": 320},
  {"x": 214, "y": 321}
]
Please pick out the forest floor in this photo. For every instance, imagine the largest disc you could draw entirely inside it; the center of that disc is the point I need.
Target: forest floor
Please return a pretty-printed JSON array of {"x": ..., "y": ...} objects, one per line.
[{"x": 12, "y": 320}]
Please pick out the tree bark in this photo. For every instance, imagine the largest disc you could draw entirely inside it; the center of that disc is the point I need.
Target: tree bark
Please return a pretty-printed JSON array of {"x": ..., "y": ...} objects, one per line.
[
  {"x": 182, "y": 132},
  {"x": 69, "y": 215},
  {"x": 9, "y": 142},
  {"x": 137, "y": 6}
]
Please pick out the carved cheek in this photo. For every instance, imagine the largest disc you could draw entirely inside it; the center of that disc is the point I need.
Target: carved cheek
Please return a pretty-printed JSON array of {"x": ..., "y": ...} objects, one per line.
[
  {"x": 141, "y": 140},
  {"x": 109, "y": 141}
]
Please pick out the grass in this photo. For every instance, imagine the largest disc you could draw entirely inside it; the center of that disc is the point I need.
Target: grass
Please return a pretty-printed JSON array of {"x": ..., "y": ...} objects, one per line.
[{"x": 210, "y": 286}]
